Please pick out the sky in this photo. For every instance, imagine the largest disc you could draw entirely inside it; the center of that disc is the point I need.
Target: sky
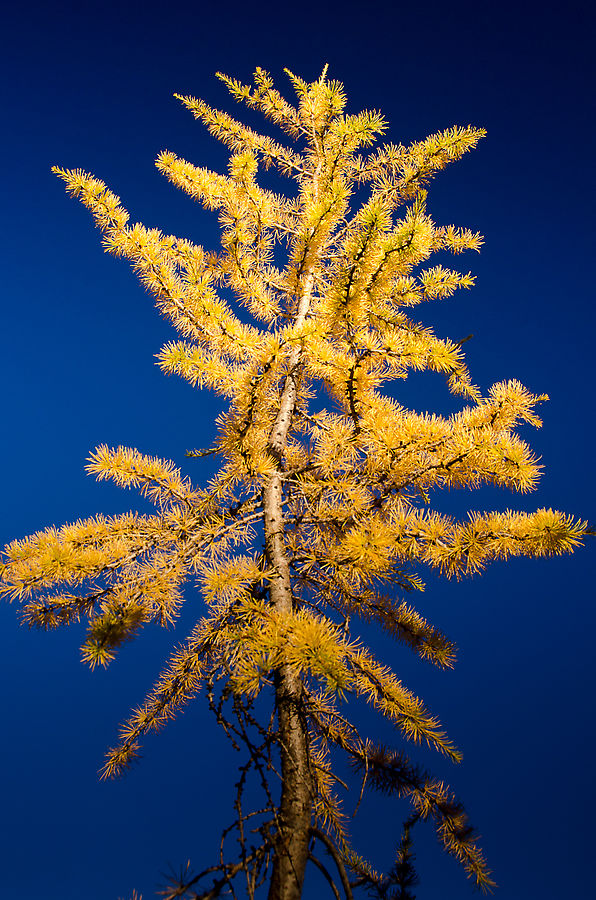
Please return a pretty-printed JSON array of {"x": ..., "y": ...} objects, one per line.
[{"x": 90, "y": 85}]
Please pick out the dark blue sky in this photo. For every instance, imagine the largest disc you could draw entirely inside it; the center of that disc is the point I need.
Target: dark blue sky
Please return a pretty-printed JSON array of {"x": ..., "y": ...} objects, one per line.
[{"x": 91, "y": 86}]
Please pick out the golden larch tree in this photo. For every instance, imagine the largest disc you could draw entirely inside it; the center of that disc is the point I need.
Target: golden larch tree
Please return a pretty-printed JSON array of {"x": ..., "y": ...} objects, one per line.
[{"x": 321, "y": 513}]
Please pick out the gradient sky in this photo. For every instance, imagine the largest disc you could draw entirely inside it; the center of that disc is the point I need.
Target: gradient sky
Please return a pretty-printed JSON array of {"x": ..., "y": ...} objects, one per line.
[{"x": 90, "y": 85}]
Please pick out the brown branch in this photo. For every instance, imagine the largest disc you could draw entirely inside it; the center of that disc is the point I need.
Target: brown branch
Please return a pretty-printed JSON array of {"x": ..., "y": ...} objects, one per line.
[
  {"x": 327, "y": 875},
  {"x": 334, "y": 854}
]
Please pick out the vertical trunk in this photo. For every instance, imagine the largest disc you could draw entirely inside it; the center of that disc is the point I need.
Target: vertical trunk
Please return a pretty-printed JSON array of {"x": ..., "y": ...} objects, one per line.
[
  {"x": 295, "y": 806},
  {"x": 296, "y": 795},
  {"x": 296, "y": 792}
]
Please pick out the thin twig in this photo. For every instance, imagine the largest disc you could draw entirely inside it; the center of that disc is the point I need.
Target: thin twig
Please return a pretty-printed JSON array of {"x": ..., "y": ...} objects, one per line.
[
  {"x": 332, "y": 850},
  {"x": 322, "y": 869}
]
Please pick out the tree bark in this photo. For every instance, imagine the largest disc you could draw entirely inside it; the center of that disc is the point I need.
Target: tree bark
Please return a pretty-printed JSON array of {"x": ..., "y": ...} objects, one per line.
[{"x": 291, "y": 852}]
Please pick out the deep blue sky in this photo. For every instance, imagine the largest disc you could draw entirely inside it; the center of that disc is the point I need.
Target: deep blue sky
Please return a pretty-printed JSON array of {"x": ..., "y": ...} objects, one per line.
[{"x": 91, "y": 86}]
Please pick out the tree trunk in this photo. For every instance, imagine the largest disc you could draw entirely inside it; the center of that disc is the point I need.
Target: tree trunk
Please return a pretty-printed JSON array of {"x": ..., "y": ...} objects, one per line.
[
  {"x": 294, "y": 813},
  {"x": 291, "y": 852}
]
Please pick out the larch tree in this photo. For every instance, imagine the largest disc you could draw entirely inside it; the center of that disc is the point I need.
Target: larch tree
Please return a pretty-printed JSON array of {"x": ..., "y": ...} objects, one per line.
[{"x": 321, "y": 514}]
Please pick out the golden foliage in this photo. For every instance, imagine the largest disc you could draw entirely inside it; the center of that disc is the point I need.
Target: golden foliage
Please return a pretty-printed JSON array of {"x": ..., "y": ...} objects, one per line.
[{"x": 357, "y": 479}]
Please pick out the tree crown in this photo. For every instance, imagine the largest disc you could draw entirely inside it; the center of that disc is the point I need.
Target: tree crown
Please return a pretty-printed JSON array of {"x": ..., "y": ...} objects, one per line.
[{"x": 322, "y": 510}]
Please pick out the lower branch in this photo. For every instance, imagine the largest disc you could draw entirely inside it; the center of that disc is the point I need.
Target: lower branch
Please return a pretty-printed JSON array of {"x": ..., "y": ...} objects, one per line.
[{"x": 334, "y": 854}]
